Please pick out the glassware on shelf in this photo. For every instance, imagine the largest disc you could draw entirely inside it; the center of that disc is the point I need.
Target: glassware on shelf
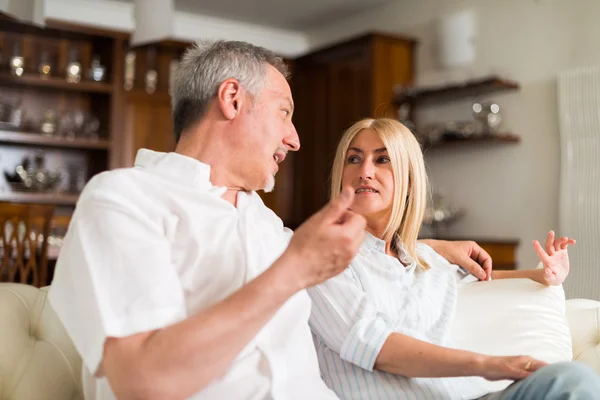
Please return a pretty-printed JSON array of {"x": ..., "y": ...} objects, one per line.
[
  {"x": 79, "y": 124},
  {"x": 76, "y": 178},
  {"x": 33, "y": 176},
  {"x": 67, "y": 126},
  {"x": 404, "y": 116},
  {"x": 49, "y": 124},
  {"x": 12, "y": 114},
  {"x": 97, "y": 71},
  {"x": 151, "y": 73},
  {"x": 91, "y": 126},
  {"x": 451, "y": 130},
  {"x": 73, "y": 68},
  {"x": 5, "y": 111},
  {"x": 45, "y": 68},
  {"x": 129, "y": 78},
  {"x": 17, "y": 61},
  {"x": 488, "y": 115},
  {"x": 439, "y": 214},
  {"x": 78, "y": 119},
  {"x": 17, "y": 117}
]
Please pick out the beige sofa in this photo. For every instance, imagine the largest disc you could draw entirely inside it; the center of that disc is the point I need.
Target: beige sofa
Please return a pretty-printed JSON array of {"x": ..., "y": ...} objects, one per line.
[{"x": 39, "y": 362}]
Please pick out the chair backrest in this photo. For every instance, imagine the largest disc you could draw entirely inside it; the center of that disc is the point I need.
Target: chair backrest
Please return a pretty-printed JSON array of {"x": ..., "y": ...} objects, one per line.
[{"x": 24, "y": 230}]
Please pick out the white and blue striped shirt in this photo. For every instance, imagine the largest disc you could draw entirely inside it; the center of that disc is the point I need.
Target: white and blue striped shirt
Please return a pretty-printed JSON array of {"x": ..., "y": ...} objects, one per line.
[{"x": 354, "y": 313}]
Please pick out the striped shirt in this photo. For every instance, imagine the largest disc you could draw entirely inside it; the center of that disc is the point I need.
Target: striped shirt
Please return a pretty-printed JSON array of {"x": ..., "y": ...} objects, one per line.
[{"x": 354, "y": 312}]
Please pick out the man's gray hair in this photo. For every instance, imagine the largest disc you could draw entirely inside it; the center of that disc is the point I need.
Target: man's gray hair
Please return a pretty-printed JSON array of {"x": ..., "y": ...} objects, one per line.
[{"x": 206, "y": 65}]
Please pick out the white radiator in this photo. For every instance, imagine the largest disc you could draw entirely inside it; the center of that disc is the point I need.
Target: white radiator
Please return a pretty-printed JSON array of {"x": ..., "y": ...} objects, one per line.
[{"x": 579, "y": 210}]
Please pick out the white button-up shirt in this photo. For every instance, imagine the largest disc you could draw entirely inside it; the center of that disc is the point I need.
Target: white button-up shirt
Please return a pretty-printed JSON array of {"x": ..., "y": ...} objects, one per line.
[
  {"x": 354, "y": 313},
  {"x": 151, "y": 245}
]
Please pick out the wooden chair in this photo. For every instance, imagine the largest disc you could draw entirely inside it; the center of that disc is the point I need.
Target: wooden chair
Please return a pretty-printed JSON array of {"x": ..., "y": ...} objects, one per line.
[{"x": 23, "y": 243}]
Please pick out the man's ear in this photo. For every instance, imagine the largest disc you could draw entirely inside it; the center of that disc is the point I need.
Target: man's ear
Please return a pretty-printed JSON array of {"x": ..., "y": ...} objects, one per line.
[{"x": 229, "y": 98}]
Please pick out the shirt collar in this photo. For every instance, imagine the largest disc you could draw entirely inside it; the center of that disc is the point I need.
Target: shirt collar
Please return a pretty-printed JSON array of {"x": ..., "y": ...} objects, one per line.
[
  {"x": 371, "y": 243},
  {"x": 403, "y": 255},
  {"x": 175, "y": 165}
]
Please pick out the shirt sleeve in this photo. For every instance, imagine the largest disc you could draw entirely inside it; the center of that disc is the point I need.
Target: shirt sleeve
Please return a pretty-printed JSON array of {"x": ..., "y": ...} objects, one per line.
[
  {"x": 347, "y": 321},
  {"x": 435, "y": 260},
  {"x": 114, "y": 276}
]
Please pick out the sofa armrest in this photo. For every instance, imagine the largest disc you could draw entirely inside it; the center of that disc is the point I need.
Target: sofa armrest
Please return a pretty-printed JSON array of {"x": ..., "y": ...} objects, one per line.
[{"x": 584, "y": 322}]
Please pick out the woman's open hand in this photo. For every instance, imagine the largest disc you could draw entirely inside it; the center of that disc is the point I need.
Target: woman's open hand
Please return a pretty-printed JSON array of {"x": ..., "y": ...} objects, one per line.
[{"x": 555, "y": 259}]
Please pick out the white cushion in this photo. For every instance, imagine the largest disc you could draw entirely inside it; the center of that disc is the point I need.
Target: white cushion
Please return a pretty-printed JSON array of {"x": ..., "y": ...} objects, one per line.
[
  {"x": 513, "y": 317},
  {"x": 584, "y": 320}
]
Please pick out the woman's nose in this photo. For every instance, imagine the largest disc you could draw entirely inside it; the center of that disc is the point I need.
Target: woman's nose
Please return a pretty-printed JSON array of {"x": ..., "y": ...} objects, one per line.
[{"x": 367, "y": 171}]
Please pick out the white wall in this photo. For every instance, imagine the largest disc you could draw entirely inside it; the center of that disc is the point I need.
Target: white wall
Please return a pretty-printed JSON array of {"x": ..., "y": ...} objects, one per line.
[{"x": 509, "y": 191}]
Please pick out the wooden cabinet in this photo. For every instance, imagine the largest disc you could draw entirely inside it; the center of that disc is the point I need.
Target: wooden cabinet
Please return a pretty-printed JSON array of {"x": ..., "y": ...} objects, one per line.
[
  {"x": 66, "y": 123},
  {"x": 128, "y": 119},
  {"x": 332, "y": 89},
  {"x": 146, "y": 117},
  {"x": 503, "y": 252},
  {"x": 147, "y": 124},
  {"x": 69, "y": 143}
]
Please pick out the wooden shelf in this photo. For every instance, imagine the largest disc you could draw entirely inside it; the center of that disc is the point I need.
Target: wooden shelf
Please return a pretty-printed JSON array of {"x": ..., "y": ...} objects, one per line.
[
  {"x": 40, "y": 198},
  {"x": 455, "y": 91},
  {"x": 40, "y": 140},
  {"x": 493, "y": 138},
  {"x": 55, "y": 83}
]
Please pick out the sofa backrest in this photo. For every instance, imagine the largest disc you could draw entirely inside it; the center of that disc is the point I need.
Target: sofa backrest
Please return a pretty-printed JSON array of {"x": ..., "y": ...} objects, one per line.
[{"x": 37, "y": 359}]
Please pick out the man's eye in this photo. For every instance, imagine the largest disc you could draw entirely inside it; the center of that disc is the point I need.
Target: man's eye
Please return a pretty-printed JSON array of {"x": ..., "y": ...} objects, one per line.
[{"x": 286, "y": 112}]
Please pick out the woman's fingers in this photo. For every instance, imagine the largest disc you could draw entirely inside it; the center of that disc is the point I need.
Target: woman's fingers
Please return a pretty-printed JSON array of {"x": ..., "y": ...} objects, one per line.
[
  {"x": 549, "y": 243},
  {"x": 544, "y": 257}
]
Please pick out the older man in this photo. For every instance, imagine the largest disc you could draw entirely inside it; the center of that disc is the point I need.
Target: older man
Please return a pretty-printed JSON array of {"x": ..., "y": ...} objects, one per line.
[{"x": 175, "y": 281}]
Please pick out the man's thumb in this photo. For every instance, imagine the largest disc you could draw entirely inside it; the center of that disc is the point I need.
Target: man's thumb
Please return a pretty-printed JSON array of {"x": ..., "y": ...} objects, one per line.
[{"x": 340, "y": 204}]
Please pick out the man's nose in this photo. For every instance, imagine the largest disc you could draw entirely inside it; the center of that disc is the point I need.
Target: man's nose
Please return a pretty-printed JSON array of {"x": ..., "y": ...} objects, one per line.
[{"x": 292, "y": 140}]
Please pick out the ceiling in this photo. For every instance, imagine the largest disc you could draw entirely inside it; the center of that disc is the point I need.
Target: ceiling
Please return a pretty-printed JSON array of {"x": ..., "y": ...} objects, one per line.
[{"x": 287, "y": 14}]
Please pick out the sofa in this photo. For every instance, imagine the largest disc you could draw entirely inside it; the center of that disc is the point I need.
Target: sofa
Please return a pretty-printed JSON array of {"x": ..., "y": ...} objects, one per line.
[{"x": 39, "y": 362}]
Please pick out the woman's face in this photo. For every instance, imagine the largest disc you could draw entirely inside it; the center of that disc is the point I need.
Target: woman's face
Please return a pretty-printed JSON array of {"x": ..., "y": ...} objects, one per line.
[{"x": 368, "y": 170}]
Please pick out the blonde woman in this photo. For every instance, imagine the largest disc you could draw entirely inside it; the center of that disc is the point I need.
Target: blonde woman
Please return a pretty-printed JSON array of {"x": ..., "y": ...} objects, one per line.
[{"x": 381, "y": 327}]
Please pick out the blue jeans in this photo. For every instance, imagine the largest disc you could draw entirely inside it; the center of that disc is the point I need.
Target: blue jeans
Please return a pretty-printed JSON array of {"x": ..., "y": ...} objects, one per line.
[{"x": 561, "y": 381}]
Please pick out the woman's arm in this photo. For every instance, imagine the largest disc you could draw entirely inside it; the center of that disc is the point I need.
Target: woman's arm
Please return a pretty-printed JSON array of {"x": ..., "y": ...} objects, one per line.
[
  {"x": 554, "y": 258},
  {"x": 348, "y": 322},
  {"x": 407, "y": 356},
  {"x": 533, "y": 274},
  {"x": 464, "y": 253}
]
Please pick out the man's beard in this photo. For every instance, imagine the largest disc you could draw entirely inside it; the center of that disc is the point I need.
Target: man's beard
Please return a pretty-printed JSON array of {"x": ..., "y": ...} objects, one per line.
[{"x": 270, "y": 184}]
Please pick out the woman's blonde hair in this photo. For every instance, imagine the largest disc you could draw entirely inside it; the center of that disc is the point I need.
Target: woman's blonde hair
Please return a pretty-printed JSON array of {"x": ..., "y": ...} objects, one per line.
[{"x": 410, "y": 178}]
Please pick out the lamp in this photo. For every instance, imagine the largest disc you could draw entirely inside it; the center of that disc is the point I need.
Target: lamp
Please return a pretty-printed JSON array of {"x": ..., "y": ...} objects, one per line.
[
  {"x": 153, "y": 21},
  {"x": 456, "y": 39}
]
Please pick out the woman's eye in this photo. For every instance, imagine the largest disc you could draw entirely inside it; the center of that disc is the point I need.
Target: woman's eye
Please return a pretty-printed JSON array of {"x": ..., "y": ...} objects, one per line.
[
  {"x": 286, "y": 112},
  {"x": 353, "y": 159},
  {"x": 383, "y": 160}
]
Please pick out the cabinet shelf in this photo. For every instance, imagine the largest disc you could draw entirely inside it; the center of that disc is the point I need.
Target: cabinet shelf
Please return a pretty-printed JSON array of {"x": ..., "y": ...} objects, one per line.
[
  {"x": 55, "y": 83},
  {"x": 492, "y": 138},
  {"x": 440, "y": 94},
  {"x": 40, "y": 198},
  {"x": 12, "y": 137}
]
